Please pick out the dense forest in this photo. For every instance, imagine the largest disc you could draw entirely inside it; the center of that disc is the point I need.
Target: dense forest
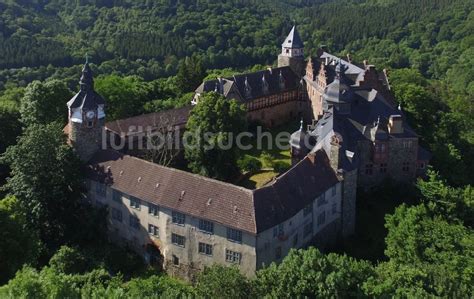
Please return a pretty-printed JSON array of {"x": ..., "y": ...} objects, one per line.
[{"x": 149, "y": 56}]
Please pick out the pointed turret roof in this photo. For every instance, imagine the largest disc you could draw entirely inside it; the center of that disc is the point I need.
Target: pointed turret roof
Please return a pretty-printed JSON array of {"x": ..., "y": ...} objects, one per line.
[
  {"x": 293, "y": 40},
  {"x": 86, "y": 98}
]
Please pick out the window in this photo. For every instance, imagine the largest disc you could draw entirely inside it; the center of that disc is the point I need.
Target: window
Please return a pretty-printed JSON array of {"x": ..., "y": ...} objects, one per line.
[
  {"x": 322, "y": 218},
  {"x": 278, "y": 253},
  {"x": 322, "y": 200},
  {"x": 205, "y": 248},
  {"x": 295, "y": 240},
  {"x": 134, "y": 222},
  {"x": 234, "y": 235},
  {"x": 308, "y": 229},
  {"x": 407, "y": 143},
  {"x": 232, "y": 256},
  {"x": 279, "y": 230},
  {"x": 100, "y": 189},
  {"x": 422, "y": 165},
  {"x": 334, "y": 208},
  {"x": 383, "y": 168},
  {"x": 369, "y": 169},
  {"x": 178, "y": 218},
  {"x": 333, "y": 190},
  {"x": 153, "y": 230},
  {"x": 406, "y": 166},
  {"x": 117, "y": 196},
  {"x": 177, "y": 240},
  {"x": 206, "y": 226},
  {"x": 175, "y": 260},
  {"x": 153, "y": 210},
  {"x": 308, "y": 210},
  {"x": 116, "y": 215},
  {"x": 90, "y": 123},
  {"x": 134, "y": 203}
]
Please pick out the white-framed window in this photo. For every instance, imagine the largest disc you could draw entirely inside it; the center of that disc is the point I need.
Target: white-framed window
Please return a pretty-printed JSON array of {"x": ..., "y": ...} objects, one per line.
[
  {"x": 153, "y": 210},
  {"x": 322, "y": 218},
  {"x": 175, "y": 260},
  {"x": 153, "y": 230},
  {"x": 178, "y": 240},
  {"x": 205, "y": 249},
  {"x": 134, "y": 222},
  {"x": 234, "y": 235},
  {"x": 406, "y": 166},
  {"x": 135, "y": 203},
  {"x": 178, "y": 218},
  {"x": 116, "y": 215},
  {"x": 233, "y": 256},
  {"x": 206, "y": 226},
  {"x": 278, "y": 253}
]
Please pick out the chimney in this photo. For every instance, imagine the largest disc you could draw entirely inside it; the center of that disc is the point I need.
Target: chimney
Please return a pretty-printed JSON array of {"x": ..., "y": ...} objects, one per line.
[
  {"x": 395, "y": 124},
  {"x": 349, "y": 58},
  {"x": 270, "y": 69},
  {"x": 326, "y": 62},
  {"x": 366, "y": 63}
]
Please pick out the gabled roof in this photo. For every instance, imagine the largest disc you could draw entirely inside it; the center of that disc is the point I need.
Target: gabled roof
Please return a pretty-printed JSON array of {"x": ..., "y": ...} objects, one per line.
[
  {"x": 291, "y": 192},
  {"x": 293, "y": 40},
  {"x": 170, "y": 118},
  {"x": 174, "y": 189},
  {"x": 252, "y": 211},
  {"x": 259, "y": 84}
]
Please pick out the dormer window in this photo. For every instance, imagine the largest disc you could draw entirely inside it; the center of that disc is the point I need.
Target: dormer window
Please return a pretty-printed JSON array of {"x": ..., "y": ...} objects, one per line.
[
  {"x": 248, "y": 89},
  {"x": 281, "y": 81}
]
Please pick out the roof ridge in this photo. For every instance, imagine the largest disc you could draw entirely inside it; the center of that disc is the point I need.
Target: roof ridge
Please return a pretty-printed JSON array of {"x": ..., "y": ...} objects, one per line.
[{"x": 185, "y": 172}]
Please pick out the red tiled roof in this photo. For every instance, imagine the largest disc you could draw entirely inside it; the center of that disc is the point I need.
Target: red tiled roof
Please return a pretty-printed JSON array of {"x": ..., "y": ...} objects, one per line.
[
  {"x": 185, "y": 192},
  {"x": 174, "y": 117},
  {"x": 252, "y": 211}
]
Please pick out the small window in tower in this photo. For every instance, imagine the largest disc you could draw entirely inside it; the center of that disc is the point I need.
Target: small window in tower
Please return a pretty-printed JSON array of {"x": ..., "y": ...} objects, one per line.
[
  {"x": 287, "y": 51},
  {"x": 90, "y": 123}
]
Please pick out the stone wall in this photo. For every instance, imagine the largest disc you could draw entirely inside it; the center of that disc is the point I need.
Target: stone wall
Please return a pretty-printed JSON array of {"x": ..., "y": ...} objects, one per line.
[
  {"x": 86, "y": 141},
  {"x": 349, "y": 203},
  {"x": 297, "y": 64},
  {"x": 190, "y": 260}
]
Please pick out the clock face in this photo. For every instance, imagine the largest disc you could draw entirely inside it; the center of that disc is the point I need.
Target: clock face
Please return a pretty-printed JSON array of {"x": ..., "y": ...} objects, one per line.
[{"x": 90, "y": 114}]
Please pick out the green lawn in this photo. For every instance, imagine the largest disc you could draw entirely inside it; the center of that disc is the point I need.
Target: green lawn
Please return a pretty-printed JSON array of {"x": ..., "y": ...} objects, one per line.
[{"x": 277, "y": 155}]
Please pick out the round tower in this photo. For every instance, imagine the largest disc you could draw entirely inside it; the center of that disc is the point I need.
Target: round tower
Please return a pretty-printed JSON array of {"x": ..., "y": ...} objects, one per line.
[
  {"x": 292, "y": 53},
  {"x": 299, "y": 145},
  {"x": 86, "y": 117}
]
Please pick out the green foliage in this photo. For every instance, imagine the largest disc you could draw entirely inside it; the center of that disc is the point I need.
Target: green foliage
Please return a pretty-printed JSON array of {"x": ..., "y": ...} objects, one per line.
[
  {"x": 281, "y": 166},
  {"x": 125, "y": 96},
  {"x": 427, "y": 256},
  {"x": 17, "y": 246},
  {"x": 223, "y": 282},
  {"x": 215, "y": 121},
  {"x": 267, "y": 159},
  {"x": 249, "y": 164},
  {"x": 44, "y": 103},
  {"x": 69, "y": 260},
  {"x": 190, "y": 74},
  {"x": 47, "y": 182},
  {"x": 309, "y": 273}
]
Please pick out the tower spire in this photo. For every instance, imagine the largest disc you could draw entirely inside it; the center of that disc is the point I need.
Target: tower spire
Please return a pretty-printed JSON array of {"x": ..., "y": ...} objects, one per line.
[{"x": 87, "y": 79}]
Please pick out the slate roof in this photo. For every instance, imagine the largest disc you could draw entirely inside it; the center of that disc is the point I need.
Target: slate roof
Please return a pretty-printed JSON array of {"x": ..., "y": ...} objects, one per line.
[
  {"x": 277, "y": 80},
  {"x": 293, "y": 40},
  {"x": 291, "y": 192},
  {"x": 175, "y": 118},
  {"x": 86, "y": 98},
  {"x": 252, "y": 211}
]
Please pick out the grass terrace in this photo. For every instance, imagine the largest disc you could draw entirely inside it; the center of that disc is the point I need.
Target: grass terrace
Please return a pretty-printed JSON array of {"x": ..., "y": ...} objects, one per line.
[{"x": 272, "y": 160}]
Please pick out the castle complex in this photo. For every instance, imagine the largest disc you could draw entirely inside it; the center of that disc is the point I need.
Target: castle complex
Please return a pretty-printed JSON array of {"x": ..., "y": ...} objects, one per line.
[{"x": 355, "y": 136}]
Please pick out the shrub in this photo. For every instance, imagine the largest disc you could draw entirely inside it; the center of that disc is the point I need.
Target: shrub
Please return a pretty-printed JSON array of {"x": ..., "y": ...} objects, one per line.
[
  {"x": 249, "y": 163},
  {"x": 281, "y": 166},
  {"x": 267, "y": 159}
]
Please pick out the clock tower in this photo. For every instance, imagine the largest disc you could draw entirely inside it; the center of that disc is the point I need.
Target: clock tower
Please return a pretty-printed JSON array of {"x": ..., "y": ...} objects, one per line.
[{"x": 86, "y": 117}]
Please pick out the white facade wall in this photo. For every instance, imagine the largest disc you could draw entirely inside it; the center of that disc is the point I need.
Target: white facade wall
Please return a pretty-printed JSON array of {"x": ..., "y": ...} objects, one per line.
[
  {"x": 272, "y": 245},
  {"x": 188, "y": 255}
]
